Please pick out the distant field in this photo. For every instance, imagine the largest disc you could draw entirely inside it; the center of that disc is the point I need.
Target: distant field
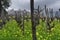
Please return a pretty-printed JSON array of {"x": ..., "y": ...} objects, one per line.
[{"x": 12, "y": 31}]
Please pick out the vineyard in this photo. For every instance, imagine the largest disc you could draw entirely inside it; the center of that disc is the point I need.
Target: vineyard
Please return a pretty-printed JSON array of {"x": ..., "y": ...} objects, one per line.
[
  {"x": 12, "y": 31},
  {"x": 40, "y": 23}
]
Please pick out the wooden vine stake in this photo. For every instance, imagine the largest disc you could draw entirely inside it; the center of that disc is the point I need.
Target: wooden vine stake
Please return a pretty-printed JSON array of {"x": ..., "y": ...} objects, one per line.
[{"x": 32, "y": 20}]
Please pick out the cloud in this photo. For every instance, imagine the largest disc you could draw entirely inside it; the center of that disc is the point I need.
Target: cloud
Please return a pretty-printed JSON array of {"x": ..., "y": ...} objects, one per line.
[
  {"x": 25, "y": 4},
  {"x": 20, "y": 4},
  {"x": 55, "y": 5}
]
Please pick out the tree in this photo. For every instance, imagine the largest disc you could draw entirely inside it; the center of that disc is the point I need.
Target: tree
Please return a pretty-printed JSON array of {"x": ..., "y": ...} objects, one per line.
[
  {"x": 3, "y": 13},
  {"x": 3, "y": 5}
]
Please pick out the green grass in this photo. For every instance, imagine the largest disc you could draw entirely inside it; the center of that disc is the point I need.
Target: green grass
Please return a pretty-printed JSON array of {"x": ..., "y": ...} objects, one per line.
[{"x": 11, "y": 31}]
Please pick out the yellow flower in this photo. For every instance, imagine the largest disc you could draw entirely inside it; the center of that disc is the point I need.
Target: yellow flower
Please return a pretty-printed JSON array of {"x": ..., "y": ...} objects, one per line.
[
  {"x": 17, "y": 31},
  {"x": 4, "y": 30},
  {"x": 37, "y": 33},
  {"x": 50, "y": 35},
  {"x": 41, "y": 36},
  {"x": 44, "y": 39},
  {"x": 38, "y": 38},
  {"x": 27, "y": 32},
  {"x": 20, "y": 30},
  {"x": 52, "y": 29},
  {"x": 31, "y": 35}
]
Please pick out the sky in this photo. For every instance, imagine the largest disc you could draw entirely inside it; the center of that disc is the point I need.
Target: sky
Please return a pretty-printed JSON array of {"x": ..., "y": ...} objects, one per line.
[{"x": 25, "y": 4}]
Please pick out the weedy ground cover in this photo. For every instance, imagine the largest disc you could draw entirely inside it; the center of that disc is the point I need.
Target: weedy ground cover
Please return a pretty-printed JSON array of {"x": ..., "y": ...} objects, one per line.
[{"x": 12, "y": 31}]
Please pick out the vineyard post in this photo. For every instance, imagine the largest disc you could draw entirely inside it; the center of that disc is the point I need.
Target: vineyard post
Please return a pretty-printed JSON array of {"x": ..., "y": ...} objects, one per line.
[
  {"x": 51, "y": 14},
  {"x": 7, "y": 17},
  {"x": 15, "y": 16},
  {"x": 3, "y": 19},
  {"x": 23, "y": 23},
  {"x": 59, "y": 16},
  {"x": 38, "y": 14},
  {"x": 3, "y": 16},
  {"x": 32, "y": 20},
  {"x": 26, "y": 15},
  {"x": 52, "y": 17},
  {"x": 46, "y": 17}
]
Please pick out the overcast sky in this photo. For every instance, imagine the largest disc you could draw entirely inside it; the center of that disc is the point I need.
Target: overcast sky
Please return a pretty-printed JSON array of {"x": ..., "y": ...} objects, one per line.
[{"x": 25, "y": 4}]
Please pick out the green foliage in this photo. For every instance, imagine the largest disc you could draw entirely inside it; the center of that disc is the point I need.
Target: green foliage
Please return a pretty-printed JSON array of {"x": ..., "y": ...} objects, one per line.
[
  {"x": 54, "y": 34},
  {"x": 11, "y": 31}
]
